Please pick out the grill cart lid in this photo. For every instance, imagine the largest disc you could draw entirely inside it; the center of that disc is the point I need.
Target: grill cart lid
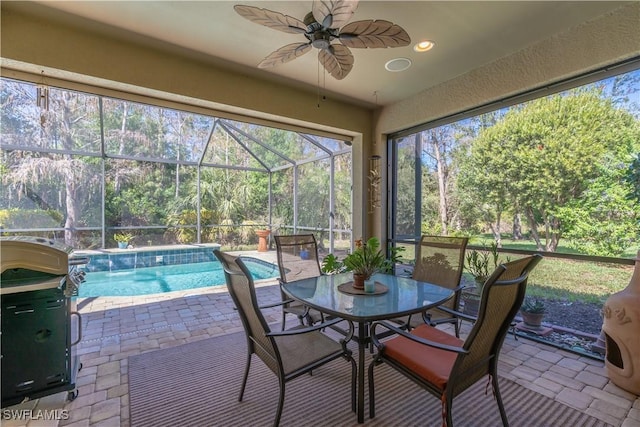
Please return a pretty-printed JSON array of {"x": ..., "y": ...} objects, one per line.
[
  {"x": 31, "y": 263},
  {"x": 34, "y": 253}
]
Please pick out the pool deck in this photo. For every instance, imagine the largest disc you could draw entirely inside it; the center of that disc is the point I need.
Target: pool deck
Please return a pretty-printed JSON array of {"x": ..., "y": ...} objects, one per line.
[{"x": 115, "y": 328}]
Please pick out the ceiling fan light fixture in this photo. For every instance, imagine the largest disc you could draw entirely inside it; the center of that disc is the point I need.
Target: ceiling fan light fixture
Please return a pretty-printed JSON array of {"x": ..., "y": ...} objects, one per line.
[
  {"x": 321, "y": 40},
  {"x": 397, "y": 64},
  {"x": 424, "y": 46}
]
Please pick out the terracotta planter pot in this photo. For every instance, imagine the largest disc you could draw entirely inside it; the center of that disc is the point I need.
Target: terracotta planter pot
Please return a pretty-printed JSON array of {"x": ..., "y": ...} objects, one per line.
[
  {"x": 532, "y": 320},
  {"x": 262, "y": 240},
  {"x": 358, "y": 281}
]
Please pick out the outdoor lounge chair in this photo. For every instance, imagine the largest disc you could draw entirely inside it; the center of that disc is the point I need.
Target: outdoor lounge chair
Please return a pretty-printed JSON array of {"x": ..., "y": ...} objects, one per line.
[
  {"x": 289, "y": 353},
  {"x": 440, "y": 260},
  {"x": 298, "y": 259},
  {"x": 445, "y": 365}
]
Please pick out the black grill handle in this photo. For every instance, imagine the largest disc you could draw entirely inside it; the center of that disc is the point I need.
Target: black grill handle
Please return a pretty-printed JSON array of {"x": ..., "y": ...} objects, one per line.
[{"x": 79, "y": 326}]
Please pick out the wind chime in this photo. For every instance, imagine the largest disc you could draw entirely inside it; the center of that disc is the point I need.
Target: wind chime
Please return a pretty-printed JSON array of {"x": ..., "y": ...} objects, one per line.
[
  {"x": 375, "y": 180},
  {"x": 42, "y": 99}
]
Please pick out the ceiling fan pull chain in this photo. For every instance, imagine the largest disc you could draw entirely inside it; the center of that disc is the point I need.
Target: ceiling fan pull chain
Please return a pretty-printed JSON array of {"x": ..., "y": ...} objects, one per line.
[
  {"x": 318, "y": 85},
  {"x": 324, "y": 84}
]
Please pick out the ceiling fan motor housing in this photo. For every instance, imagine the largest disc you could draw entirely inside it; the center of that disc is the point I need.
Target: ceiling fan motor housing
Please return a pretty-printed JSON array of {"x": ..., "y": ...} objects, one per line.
[{"x": 319, "y": 36}]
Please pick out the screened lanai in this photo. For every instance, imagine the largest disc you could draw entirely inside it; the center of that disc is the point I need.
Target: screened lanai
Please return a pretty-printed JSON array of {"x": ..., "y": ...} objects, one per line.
[{"x": 85, "y": 168}]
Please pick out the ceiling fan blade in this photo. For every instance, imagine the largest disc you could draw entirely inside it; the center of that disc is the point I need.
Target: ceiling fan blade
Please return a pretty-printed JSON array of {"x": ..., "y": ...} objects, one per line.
[
  {"x": 374, "y": 34},
  {"x": 333, "y": 13},
  {"x": 337, "y": 60},
  {"x": 285, "y": 54},
  {"x": 271, "y": 19}
]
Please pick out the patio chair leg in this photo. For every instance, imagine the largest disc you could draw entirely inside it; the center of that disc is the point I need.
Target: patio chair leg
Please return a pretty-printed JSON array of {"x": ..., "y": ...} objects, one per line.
[
  {"x": 372, "y": 398},
  {"x": 276, "y": 422},
  {"x": 449, "y": 417},
  {"x": 284, "y": 319},
  {"x": 496, "y": 390},
  {"x": 456, "y": 326},
  {"x": 246, "y": 375},
  {"x": 354, "y": 369}
]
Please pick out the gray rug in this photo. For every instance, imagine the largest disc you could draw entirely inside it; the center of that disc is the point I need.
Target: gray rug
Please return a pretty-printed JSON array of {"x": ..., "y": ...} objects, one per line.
[{"x": 197, "y": 384}]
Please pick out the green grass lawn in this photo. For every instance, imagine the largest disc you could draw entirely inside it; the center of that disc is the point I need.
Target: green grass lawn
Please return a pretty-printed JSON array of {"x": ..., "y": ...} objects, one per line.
[
  {"x": 563, "y": 279},
  {"x": 571, "y": 280}
]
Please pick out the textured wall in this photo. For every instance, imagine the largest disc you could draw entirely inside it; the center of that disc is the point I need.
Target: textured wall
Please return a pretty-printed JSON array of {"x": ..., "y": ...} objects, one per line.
[{"x": 606, "y": 40}]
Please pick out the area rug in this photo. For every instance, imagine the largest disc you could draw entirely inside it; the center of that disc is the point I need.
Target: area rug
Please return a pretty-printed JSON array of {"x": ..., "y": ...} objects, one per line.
[{"x": 197, "y": 384}]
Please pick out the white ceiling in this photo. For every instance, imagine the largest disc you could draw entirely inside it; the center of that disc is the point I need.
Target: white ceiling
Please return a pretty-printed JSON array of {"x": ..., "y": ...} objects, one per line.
[{"x": 467, "y": 36}]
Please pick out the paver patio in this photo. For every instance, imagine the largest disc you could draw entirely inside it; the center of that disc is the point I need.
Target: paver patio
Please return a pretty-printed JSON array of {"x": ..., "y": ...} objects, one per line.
[{"x": 115, "y": 328}]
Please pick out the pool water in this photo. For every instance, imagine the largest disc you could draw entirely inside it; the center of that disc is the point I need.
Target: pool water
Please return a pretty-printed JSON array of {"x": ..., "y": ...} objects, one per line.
[{"x": 169, "y": 278}]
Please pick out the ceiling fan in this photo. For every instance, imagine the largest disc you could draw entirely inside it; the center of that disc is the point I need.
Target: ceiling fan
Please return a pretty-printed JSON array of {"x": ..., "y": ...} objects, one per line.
[{"x": 321, "y": 27}]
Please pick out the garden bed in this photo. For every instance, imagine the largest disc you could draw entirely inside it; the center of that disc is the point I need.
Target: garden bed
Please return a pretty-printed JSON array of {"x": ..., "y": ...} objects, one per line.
[{"x": 576, "y": 327}]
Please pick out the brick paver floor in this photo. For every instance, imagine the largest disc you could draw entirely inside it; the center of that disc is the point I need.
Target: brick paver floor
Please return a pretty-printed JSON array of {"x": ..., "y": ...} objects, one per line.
[{"x": 115, "y": 328}]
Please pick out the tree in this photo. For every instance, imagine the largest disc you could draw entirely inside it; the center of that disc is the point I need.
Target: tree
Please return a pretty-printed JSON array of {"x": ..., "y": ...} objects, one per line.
[
  {"x": 482, "y": 198},
  {"x": 632, "y": 177},
  {"x": 604, "y": 221},
  {"x": 67, "y": 123},
  {"x": 544, "y": 156}
]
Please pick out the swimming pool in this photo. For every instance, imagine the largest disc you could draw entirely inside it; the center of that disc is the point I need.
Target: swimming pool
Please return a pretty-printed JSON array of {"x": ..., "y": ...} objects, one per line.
[{"x": 166, "y": 278}]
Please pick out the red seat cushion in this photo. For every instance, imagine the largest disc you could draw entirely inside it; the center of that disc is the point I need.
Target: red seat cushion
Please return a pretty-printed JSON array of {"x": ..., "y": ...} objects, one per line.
[{"x": 432, "y": 364}]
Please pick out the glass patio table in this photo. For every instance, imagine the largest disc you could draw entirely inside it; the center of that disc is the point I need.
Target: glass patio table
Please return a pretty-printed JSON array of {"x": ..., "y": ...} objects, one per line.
[{"x": 403, "y": 296}]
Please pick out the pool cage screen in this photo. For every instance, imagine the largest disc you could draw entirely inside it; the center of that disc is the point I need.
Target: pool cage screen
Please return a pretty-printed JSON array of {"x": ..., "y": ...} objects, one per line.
[{"x": 96, "y": 172}]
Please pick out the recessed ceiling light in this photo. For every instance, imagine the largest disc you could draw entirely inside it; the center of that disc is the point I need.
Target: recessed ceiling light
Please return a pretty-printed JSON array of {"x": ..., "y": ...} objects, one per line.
[
  {"x": 398, "y": 64},
  {"x": 424, "y": 46}
]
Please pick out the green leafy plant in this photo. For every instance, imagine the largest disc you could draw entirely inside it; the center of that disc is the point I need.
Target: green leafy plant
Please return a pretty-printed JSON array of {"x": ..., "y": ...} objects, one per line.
[
  {"x": 367, "y": 259},
  {"x": 122, "y": 237},
  {"x": 481, "y": 263},
  {"x": 533, "y": 305},
  {"x": 332, "y": 265}
]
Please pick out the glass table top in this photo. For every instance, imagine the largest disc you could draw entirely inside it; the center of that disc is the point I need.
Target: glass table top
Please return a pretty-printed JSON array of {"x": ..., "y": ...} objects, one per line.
[{"x": 404, "y": 296}]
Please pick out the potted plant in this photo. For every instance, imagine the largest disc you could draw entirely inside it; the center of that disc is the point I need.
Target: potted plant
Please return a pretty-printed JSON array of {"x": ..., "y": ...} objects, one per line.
[
  {"x": 532, "y": 311},
  {"x": 480, "y": 264},
  {"x": 122, "y": 239},
  {"x": 366, "y": 260}
]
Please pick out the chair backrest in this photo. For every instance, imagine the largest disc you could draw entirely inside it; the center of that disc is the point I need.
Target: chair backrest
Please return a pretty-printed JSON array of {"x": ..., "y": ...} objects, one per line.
[
  {"x": 242, "y": 290},
  {"x": 440, "y": 260},
  {"x": 297, "y": 257},
  {"x": 502, "y": 295}
]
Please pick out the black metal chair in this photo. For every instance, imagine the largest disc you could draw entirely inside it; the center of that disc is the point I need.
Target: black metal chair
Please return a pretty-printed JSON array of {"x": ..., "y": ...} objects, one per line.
[
  {"x": 289, "y": 353},
  {"x": 439, "y": 260},
  {"x": 445, "y": 365},
  {"x": 298, "y": 259}
]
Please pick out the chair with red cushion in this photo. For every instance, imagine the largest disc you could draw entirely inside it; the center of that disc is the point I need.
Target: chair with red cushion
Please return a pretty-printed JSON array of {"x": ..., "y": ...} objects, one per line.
[
  {"x": 440, "y": 260},
  {"x": 445, "y": 365}
]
